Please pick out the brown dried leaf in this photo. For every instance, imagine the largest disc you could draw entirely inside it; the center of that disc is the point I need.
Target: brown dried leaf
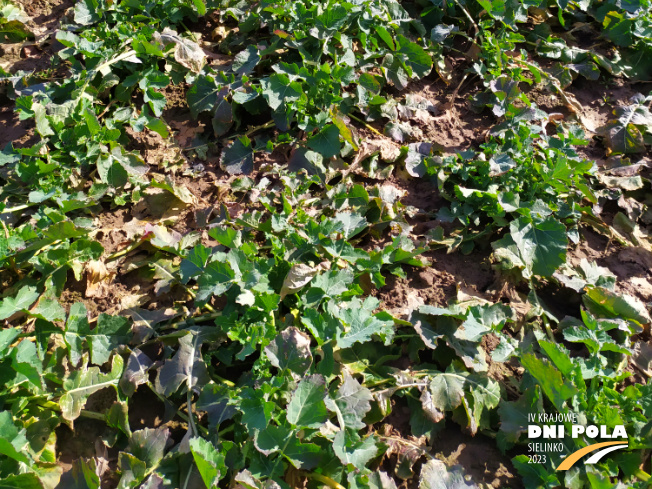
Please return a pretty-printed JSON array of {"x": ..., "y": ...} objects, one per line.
[
  {"x": 98, "y": 279},
  {"x": 642, "y": 357}
]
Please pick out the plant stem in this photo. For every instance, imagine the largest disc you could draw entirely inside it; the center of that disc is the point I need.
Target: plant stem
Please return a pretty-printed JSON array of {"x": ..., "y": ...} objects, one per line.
[
  {"x": 267, "y": 125},
  {"x": 15, "y": 209},
  {"x": 224, "y": 381},
  {"x": 468, "y": 16},
  {"x": 124, "y": 251},
  {"x": 83, "y": 413},
  {"x": 372, "y": 129},
  {"x": 191, "y": 417},
  {"x": 201, "y": 428},
  {"x": 641, "y": 474},
  {"x": 192, "y": 321},
  {"x": 324, "y": 480}
]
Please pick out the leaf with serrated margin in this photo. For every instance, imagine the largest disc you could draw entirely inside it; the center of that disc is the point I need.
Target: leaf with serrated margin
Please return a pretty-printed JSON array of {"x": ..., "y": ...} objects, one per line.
[
  {"x": 217, "y": 278},
  {"x": 278, "y": 90},
  {"x": 550, "y": 380},
  {"x": 238, "y": 158},
  {"x": 351, "y": 403},
  {"x": 83, "y": 382},
  {"x": 13, "y": 441},
  {"x": 326, "y": 142},
  {"x": 215, "y": 400},
  {"x": 362, "y": 324},
  {"x": 307, "y": 408},
  {"x": 148, "y": 445},
  {"x": 109, "y": 333},
  {"x": 351, "y": 449},
  {"x": 203, "y": 95},
  {"x": 541, "y": 244},
  {"x": 209, "y": 461},
  {"x": 11, "y": 305},
  {"x": 245, "y": 61}
]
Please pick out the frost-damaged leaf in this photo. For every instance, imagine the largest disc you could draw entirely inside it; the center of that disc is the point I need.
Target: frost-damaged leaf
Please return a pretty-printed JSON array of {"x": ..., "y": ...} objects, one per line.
[
  {"x": 307, "y": 408},
  {"x": 362, "y": 324},
  {"x": 351, "y": 403},
  {"x": 625, "y": 133},
  {"x": 603, "y": 302},
  {"x": 428, "y": 333},
  {"x": 278, "y": 90},
  {"x": 436, "y": 475},
  {"x": 290, "y": 350},
  {"x": 274, "y": 439},
  {"x": 83, "y": 382},
  {"x": 203, "y": 95},
  {"x": 97, "y": 279},
  {"x": 215, "y": 400},
  {"x": 86, "y": 12},
  {"x": 209, "y": 461},
  {"x": 238, "y": 158},
  {"x": 407, "y": 453},
  {"x": 136, "y": 372},
  {"x": 481, "y": 320},
  {"x": 144, "y": 321},
  {"x": 298, "y": 277},
  {"x": 415, "y": 161},
  {"x": 186, "y": 52},
  {"x": 447, "y": 390},
  {"x": 352, "y": 223},
  {"x": 133, "y": 470},
  {"x": 394, "y": 71},
  {"x": 109, "y": 333},
  {"x": 430, "y": 409},
  {"x": 514, "y": 416},
  {"x": 398, "y": 131},
  {"x": 380, "y": 480},
  {"x": 245, "y": 61},
  {"x": 345, "y": 132},
  {"x": 217, "y": 278},
  {"x": 116, "y": 167},
  {"x": 187, "y": 365},
  {"x": 351, "y": 449},
  {"x": 11, "y": 305},
  {"x": 148, "y": 445}
]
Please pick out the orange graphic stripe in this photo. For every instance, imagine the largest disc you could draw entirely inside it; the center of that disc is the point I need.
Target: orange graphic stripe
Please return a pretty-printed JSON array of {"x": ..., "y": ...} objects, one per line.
[{"x": 575, "y": 456}]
